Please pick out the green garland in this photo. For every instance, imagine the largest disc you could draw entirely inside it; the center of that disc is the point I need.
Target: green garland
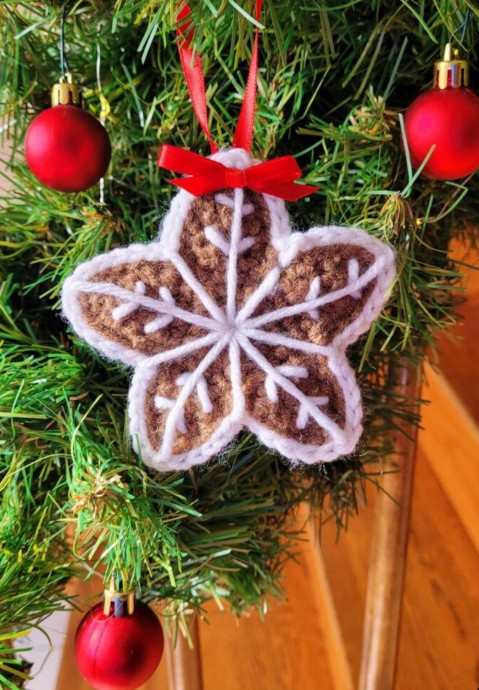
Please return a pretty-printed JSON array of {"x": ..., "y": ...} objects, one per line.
[{"x": 334, "y": 78}]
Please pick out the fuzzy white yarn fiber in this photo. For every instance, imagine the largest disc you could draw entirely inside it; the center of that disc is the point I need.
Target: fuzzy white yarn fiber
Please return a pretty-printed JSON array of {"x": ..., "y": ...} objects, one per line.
[{"x": 234, "y": 329}]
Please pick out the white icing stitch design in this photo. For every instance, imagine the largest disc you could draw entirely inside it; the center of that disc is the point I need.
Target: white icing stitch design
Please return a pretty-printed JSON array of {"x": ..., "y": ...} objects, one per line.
[
  {"x": 353, "y": 275},
  {"x": 288, "y": 371},
  {"x": 201, "y": 389},
  {"x": 128, "y": 308},
  {"x": 162, "y": 403},
  {"x": 313, "y": 292},
  {"x": 215, "y": 237},
  {"x": 237, "y": 331}
]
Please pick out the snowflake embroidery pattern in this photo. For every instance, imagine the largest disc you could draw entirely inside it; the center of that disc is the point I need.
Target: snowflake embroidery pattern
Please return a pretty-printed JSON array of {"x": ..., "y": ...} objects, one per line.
[{"x": 231, "y": 320}]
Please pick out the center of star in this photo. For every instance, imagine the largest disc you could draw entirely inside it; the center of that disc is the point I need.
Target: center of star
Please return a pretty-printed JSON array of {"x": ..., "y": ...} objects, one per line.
[{"x": 231, "y": 330}]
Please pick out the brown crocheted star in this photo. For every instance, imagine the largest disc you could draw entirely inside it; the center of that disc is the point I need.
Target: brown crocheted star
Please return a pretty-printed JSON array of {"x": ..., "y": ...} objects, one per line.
[{"x": 231, "y": 321}]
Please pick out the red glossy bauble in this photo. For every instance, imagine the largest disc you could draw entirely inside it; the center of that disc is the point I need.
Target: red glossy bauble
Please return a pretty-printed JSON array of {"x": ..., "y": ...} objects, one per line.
[
  {"x": 67, "y": 149},
  {"x": 118, "y": 653},
  {"x": 449, "y": 119}
]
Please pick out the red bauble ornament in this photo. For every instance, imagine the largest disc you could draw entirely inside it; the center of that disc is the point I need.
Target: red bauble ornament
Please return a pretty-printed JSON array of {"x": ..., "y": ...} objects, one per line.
[
  {"x": 447, "y": 117},
  {"x": 66, "y": 148},
  {"x": 118, "y": 652}
]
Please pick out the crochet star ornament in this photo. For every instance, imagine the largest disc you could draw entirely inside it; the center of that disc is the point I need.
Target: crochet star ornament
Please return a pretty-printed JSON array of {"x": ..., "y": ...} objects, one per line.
[{"x": 231, "y": 320}]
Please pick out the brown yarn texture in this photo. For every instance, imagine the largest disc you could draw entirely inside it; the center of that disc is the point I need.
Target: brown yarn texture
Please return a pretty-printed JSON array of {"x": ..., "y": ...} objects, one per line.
[
  {"x": 209, "y": 265},
  {"x": 199, "y": 424},
  {"x": 97, "y": 309},
  {"x": 331, "y": 265},
  {"x": 281, "y": 416}
]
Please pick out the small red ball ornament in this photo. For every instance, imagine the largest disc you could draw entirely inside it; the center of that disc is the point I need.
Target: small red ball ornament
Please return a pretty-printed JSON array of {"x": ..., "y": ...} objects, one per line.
[
  {"x": 446, "y": 117},
  {"x": 118, "y": 649},
  {"x": 66, "y": 148}
]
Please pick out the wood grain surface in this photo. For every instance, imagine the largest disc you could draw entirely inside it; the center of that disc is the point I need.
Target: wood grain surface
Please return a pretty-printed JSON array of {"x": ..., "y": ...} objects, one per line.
[
  {"x": 438, "y": 643},
  {"x": 458, "y": 349}
]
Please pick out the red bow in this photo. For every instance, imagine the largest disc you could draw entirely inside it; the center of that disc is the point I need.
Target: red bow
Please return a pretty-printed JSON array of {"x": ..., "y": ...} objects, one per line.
[{"x": 276, "y": 177}]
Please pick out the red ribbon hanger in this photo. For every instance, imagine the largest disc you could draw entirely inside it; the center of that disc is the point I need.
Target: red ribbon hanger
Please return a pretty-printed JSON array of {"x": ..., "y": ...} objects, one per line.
[
  {"x": 276, "y": 177},
  {"x": 193, "y": 71}
]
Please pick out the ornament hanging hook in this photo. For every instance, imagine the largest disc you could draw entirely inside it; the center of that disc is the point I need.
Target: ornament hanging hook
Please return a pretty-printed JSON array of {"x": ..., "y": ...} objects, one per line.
[
  {"x": 105, "y": 111},
  {"x": 462, "y": 28},
  {"x": 66, "y": 92},
  {"x": 452, "y": 71},
  {"x": 64, "y": 68},
  {"x": 105, "y": 106},
  {"x": 123, "y": 601},
  {"x": 465, "y": 24}
]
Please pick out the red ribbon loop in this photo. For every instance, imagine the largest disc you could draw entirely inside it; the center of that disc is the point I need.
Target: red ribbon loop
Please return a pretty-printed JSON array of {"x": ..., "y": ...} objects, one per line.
[
  {"x": 195, "y": 80},
  {"x": 193, "y": 71},
  {"x": 276, "y": 177},
  {"x": 243, "y": 137}
]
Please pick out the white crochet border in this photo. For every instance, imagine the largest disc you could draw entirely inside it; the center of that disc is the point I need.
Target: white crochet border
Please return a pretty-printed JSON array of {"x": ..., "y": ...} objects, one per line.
[{"x": 288, "y": 245}]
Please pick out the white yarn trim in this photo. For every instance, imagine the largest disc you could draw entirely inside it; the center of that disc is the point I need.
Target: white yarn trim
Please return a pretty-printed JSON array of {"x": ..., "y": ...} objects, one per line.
[
  {"x": 232, "y": 270},
  {"x": 79, "y": 282},
  {"x": 162, "y": 403},
  {"x": 201, "y": 390},
  {"x": 235, "y": 378},
  {"x": 286, "y": 370},
  {"x": 305, "y": 307},
  {"x": 313, "y": 293},
  {"x": 127, "y": 308},
  {"x": 176, "y": 413},
  {"x": 215, "y": 237},
  {"x": 353, "y": 275},
  {"x": 235, "y": 329},
  {"x": 221, "y": 437},
  {"x": 134, "y": 300},
  {"x": 284, "y": 382}
]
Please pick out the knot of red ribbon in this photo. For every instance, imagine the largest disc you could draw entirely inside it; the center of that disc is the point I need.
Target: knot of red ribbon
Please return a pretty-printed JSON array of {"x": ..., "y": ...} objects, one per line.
[{"x": 276, "y": 177}]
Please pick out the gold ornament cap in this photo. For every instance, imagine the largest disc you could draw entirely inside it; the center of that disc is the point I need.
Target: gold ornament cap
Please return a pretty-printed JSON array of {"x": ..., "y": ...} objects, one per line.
[
  {"x": 66, "y": 92},
  {"x": 451, "y": 72},
  {"x": 120, "y": 600}
]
